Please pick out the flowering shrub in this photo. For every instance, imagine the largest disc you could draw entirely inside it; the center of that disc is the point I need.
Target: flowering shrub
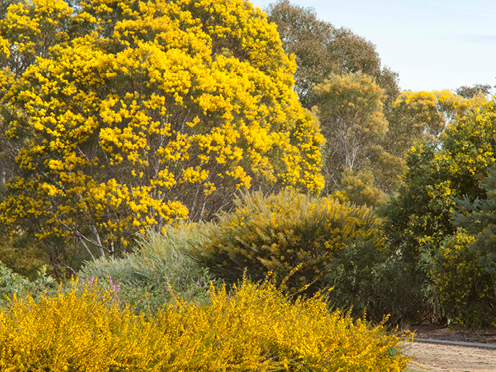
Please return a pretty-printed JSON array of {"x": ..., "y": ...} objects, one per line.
[
  {"x": 142, "y": 113},
  {"x": 289, "y": 235},
  {"x": 254, "y": 329},
  {"x": 465, "y": 269}
]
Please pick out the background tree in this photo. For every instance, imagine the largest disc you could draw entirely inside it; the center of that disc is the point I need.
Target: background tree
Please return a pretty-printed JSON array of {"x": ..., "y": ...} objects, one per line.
[
  {"x": 321, "y": 49},
  {"x": 471, "y": 91},
  {"x": 350, "y": 111},
  {"x": 324, "y": 52},
  {"x": 308, "y": 39},
  {"x": 423, "y": 115},
  {"x": 145, "y": 113}
]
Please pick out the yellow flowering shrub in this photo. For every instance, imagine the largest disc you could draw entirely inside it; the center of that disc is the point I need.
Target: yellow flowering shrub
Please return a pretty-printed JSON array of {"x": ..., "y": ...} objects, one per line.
[
  {"x": 291, "y": 236},
  {"x": 255, "y": 328},
  {"x": 147, "y": 112}
]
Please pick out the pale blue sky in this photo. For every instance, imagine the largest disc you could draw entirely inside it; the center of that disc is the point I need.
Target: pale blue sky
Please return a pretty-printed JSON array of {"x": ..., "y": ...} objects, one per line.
[{"x": 431, "y": 44}]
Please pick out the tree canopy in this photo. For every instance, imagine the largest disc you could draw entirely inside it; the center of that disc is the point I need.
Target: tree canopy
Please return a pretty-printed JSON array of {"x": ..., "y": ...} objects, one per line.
[
  {"x": 325, "y": 56},
  {"x": 321, "y": 49},
  {"x": 470, "y": 91},
  {"x": 350, "y": 112},
  {"x": 126, "y": 114}
]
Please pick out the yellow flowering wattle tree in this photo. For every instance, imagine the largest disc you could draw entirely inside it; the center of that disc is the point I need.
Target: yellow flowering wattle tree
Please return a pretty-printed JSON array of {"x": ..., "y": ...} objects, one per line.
[{"x": 141, "y": 113}]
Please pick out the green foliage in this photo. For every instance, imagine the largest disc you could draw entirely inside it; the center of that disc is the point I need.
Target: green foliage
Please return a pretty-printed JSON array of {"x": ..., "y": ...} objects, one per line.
[
  {"x": 471, "y": 91},
  {"x": 479, "y": 219},
  {"x": 156, "y": 271},
  {"x": 306, "y": 37},
  {"x": 18, "y": 253},
  {"x": 419, "y": 116},
  {"x": 464, "y": 270},
  {"x": 340, "y": 73},
  {"x": 360, "y": 188},
  {"x": 372, "y": 283},
  {"x": 13, "y": 284},
  {"x": 255, "y": 328},
  {"x": 321, "y": 49},
  {"x": 419, "y": 219},
  {"x": 421, "y": 213},
  {"x": 350, "y": 110},
  {"x": 21, "y": 251},
  {"x": 290, "y": 236}
]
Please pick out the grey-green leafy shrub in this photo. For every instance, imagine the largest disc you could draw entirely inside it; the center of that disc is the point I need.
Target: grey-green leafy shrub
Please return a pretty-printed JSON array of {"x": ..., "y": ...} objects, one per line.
[
  {"x": 12, "y": 284},
  {"x": 292, "y": 237},
  {"x": 156, "y": 271}
]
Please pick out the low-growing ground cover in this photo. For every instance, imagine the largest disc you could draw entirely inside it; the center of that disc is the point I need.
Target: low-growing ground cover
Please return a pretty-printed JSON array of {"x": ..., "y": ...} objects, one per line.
[{"x": 253, "y": 328}]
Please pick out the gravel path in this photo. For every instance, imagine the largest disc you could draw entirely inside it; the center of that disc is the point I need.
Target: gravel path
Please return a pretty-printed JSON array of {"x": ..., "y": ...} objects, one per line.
[{"x": 437, "y": 358}]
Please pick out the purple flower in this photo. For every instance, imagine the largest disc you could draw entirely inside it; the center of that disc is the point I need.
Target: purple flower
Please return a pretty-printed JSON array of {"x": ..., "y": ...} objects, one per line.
[{"x": 115, "y": 288}]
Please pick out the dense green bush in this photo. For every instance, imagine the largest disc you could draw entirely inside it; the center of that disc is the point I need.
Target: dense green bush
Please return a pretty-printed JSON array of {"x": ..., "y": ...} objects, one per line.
[
  {"x": 155, "y": 271},
  {"x": 466, "y": 290},
  {"x": 371, "y": 283},
  {"x": 291, "y": 236},
  {"x": 479, "y": 219},
  {"x": 465, "y": 270},
  {"x": 22, "y": 252},
  {"x": 419, "y": 220},
  {"x": 24, "y": 260}
]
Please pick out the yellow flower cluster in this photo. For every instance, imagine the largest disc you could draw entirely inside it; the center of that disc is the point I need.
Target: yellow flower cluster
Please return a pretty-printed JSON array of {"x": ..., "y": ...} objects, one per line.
[
  {"x": 29, "y": 28},
  {"x": 254, "y": 329}
]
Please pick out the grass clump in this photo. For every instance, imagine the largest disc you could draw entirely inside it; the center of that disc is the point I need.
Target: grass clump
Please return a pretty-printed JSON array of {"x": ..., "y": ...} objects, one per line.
[
  {"x": 253, "y": 328},
  {"x": 147, "y": 277}
]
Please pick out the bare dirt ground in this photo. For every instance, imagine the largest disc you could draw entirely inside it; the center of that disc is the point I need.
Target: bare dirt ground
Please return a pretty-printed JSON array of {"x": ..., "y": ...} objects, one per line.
[
  {"x": 437, "y": 358},
  {"x": 429, "y": 357}
]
